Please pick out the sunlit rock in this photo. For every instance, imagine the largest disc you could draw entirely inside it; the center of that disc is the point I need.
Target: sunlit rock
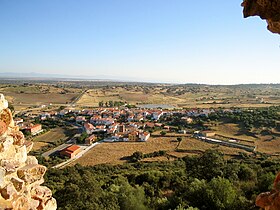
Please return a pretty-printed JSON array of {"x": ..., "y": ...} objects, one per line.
[
  {"x": 270, "y": 200},
  {"x": 20, "y": 175}
]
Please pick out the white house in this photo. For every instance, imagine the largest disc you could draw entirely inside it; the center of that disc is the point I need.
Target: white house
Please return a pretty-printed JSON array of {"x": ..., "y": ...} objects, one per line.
[
  {"x": 101, "y": 121},
  {"x": 144, "y": 136},
  {"x": 157, "y": 115},
  {"x": 89, "y": 128},
  {"x": 80, "y": 119}
]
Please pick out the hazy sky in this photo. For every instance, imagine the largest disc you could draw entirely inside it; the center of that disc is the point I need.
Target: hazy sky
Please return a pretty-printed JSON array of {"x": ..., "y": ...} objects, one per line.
[{"x": 178, "y": 41}]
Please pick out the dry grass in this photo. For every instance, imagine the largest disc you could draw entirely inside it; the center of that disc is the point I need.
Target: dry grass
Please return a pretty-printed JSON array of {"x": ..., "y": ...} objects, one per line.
[
  {"x": 231, "y": 130},
  {"x": 116, "y": 153},
  {"x": 203, "y": 98},
  {"x": 268, "y": 144},
  {"x": 38, "y": 145},
  {"x": 94, "y": 96},
  {"x": 52, "y": 136},
  {"x": 34, "y": 95},
  {"x": 39, "y": 99}
]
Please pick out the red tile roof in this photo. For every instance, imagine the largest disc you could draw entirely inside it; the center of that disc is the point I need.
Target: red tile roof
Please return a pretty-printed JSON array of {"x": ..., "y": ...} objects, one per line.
[{"x": 72, "y": 148}]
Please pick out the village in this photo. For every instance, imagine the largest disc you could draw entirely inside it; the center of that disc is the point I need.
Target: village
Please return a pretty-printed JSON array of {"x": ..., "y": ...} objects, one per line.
[{"x": 115, "y": 124}]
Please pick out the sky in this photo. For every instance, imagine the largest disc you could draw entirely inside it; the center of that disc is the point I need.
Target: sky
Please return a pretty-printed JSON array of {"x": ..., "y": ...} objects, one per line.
[{"x": 177, "y": 41}]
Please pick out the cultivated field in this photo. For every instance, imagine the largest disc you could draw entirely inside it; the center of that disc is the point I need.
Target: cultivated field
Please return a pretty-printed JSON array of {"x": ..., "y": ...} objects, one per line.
[
  {"x": 190, "y": 95},
  {"x": 201, "y": 96},
  {"x": 116, "y": 153},
  {"x": 231, "y": 130},
  {"x": 134, "y": 96},
  {"x": 37, "y": 145},
  {"x": 269, "y": 144},
  {"x": 32, "y": 95},
  {"x": 52, "y": 137}
]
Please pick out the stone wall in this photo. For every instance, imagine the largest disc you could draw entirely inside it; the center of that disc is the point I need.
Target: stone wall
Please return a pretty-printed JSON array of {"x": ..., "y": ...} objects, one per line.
[
  {"x": 20, "y": 175},
  {"x": 265, "y": 9}
]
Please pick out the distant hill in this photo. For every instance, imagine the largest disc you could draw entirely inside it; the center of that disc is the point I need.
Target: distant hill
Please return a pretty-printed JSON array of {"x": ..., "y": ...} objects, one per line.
[
  {"x": 40, "y": 75},
  {"x": 33, "y": 75}
]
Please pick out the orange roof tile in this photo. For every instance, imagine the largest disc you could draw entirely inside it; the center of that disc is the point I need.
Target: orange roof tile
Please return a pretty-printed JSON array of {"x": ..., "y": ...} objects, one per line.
[{"x": 72, "y": 148}]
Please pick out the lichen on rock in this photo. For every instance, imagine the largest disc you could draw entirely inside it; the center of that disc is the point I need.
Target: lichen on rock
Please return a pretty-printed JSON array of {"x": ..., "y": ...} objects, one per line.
[
  {"x": 20, "y": 175},
  {"x": 265, "y": 9}
]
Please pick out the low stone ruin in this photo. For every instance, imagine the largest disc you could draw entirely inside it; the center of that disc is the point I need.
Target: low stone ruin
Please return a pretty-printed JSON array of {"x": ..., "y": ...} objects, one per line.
[{"x": 20, "y": 175}]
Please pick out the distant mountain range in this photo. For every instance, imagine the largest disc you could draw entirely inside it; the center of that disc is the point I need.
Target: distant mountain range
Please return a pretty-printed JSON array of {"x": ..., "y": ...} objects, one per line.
[
  {"x": 40, "y": 76},
  {"x": 33, "y": 75}
]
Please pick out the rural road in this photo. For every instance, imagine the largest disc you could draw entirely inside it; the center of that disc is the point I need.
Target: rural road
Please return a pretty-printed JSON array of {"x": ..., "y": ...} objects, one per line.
[
  {"x": 60, "y": 147},
  {"x": 228, "y": 144},
  {"x": 73, "y": 103}
]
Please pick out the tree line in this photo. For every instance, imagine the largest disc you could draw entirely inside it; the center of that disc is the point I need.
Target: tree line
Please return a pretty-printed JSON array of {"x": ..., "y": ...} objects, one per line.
[{"x": 207, "y": 181}]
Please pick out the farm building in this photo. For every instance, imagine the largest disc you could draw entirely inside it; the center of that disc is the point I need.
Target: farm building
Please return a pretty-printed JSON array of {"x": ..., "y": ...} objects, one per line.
[
  {"x": 70, "y": 151},
  {"x": 208, "y": 133}
]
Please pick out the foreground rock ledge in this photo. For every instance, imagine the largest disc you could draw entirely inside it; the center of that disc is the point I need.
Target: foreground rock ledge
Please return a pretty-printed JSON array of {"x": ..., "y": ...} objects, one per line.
[
  {"x": 270, "y": 200},
  {"x": 20, "y": 175},
  {"x": 265, "y": 9}
]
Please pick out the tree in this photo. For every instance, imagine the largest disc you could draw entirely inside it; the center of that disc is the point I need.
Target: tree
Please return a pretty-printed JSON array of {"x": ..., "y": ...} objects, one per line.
[
  {"x": 131, "y": 198},
  {"x": 163, "y": 133},
  {"x": 220, "y": 194},
  {"x": 81, "y": 139},
  {"x": 209, "y": 165},
  {"x": 11, "y": 107},
  {"x": 136, "y": 156},
  {"x": 100, "y": 104},
  {"x": 179, "y": 139},
  {"x": 111, "y": 103}
]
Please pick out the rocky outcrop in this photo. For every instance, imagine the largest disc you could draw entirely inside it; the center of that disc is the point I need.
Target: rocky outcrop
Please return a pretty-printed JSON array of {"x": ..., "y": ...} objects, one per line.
[
  {"x": 20, "y": 175},
  {"x": 270, "y": 200},
  {"x": 265, "y": 9}
]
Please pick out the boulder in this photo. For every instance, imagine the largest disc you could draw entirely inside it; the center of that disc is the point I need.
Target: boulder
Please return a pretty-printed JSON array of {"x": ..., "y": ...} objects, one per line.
[
  {"x": 18, "y": 137},
  {"x": 31, "y": 173},
  {"x": 22, "y": 203},
  {"x": 3, "y": 127},
  {"x": 8, "y": 192},
  {"x": 31, "y": 160},
  {"x": 41, "y": 193},
  {"x": 7, "y": 117},
  {"x": 3, "y": 102},
  {"x": 18, "y": 183}
]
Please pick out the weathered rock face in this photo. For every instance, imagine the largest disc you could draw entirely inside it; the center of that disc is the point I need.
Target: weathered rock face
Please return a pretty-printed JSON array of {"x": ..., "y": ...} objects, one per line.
[
  {"x": 20, "y": 175},
  {"x": 270, "y": 200},
  {"x": 266, "y": 9}
]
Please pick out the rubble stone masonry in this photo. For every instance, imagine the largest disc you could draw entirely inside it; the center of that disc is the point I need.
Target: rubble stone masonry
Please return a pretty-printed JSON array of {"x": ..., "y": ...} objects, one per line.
[{"x": 20, "y": 175}]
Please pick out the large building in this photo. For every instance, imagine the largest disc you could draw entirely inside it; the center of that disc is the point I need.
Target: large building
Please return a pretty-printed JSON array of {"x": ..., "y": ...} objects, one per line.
[
  {"x": 70, "y": 151},
  {"x": 34, "y": 129}
]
